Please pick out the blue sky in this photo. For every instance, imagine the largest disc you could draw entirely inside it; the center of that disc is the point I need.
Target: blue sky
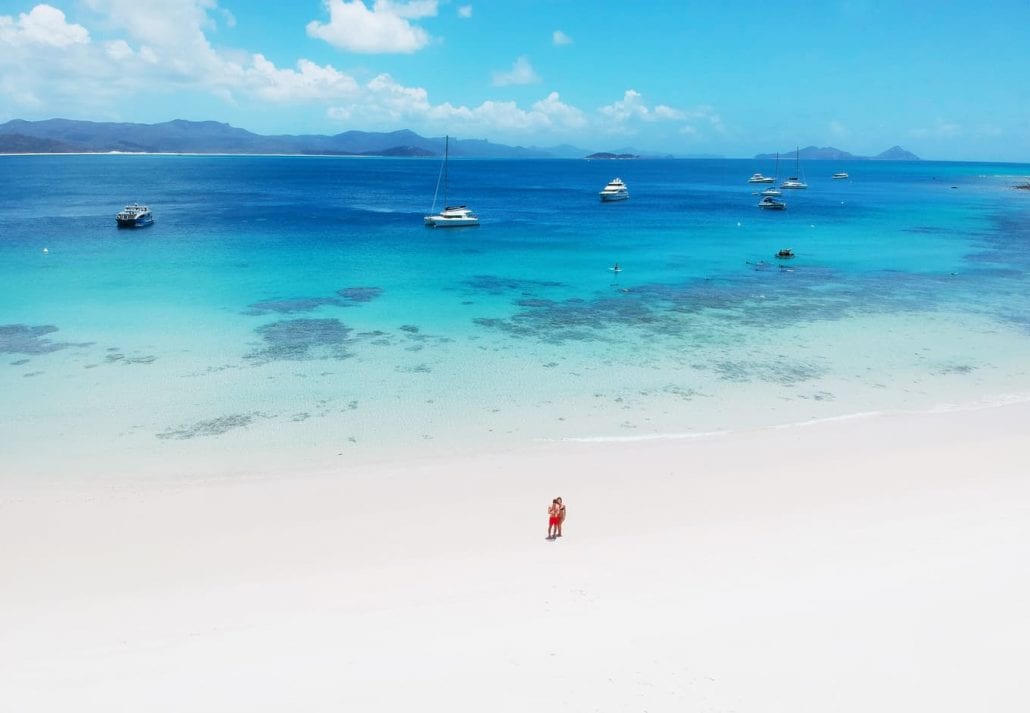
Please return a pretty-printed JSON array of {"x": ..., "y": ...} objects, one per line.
[{"x": 734, "y": 78}]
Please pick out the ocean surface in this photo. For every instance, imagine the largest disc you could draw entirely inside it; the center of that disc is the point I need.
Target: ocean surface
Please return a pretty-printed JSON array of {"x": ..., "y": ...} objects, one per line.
[{"x": 293, "y": 312}]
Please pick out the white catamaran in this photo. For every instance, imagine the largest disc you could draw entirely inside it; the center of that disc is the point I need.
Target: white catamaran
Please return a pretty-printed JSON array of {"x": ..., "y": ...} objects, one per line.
[{"x": 457, "y": 216}]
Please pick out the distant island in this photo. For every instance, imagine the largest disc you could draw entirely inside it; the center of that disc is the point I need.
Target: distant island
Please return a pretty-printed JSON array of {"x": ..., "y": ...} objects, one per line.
[
  {"x": 828, "y": 153},
  {"x": 211, "y": 137},
  {"x": 55, "y": 136}
]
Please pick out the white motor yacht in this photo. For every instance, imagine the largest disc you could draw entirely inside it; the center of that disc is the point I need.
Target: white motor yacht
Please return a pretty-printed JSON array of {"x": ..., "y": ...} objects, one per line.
[{"x": 615, "y": 191}]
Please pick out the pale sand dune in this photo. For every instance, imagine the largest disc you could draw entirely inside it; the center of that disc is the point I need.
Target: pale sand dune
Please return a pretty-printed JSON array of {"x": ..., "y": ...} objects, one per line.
[{"x": 876, "y": 564}]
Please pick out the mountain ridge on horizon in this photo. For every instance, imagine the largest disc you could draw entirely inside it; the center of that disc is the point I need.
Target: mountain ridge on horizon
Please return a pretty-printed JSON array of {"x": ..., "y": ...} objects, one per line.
[
  {"x": 20, "y": 136},
  {"x": 829, "y": 153}
]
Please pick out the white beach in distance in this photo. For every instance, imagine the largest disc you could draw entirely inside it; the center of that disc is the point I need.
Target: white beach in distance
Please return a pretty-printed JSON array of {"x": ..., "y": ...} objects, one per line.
[{"x": 855, "y": 565}]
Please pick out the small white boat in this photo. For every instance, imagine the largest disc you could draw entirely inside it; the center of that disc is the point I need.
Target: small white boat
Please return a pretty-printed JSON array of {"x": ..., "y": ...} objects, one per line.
[
  {"x": 794, "y": 182},
  {"x": 134, "y": 216},
  {"x": 759, "y": 178},
  {"x": 775, "y": 192},
  {"x": 770, "y": 203},
  {"x": 452, "y": 217},
  {"x": 840, "y": 175},
  {"x": 616, "y": 190},
  {"x": 457, "y": 216}
]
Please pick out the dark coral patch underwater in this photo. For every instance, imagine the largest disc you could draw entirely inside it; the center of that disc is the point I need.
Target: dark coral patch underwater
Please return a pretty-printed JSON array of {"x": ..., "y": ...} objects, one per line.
[
  {"x": 29, "y": 339},
  {"x": 209, "y": 427},
  {"x": 301, "y": 339}
]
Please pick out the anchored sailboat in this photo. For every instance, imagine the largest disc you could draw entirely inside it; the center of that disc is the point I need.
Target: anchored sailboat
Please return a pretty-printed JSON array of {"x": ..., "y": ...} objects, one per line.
[
  {"x": 457, "y": 216},
  {"x": 794, "y": 181}
]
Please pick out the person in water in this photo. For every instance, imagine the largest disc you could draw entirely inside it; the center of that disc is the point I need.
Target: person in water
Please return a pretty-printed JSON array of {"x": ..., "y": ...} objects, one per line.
[
  {"x": 553, "y": 519},
  {"x": 616, "y": 267}
]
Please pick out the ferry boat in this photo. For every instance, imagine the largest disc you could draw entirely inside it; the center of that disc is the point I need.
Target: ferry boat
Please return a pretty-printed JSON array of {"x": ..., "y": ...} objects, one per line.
[
  {"x": 134, "y": 216},
  {"x": 615, "y": 191}
]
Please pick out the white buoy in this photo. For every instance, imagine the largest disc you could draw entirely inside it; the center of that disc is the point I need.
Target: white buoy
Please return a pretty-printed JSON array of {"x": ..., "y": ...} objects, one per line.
[
  {"x": 45, "y": 250},
  {"x": 738, "y": 223}
]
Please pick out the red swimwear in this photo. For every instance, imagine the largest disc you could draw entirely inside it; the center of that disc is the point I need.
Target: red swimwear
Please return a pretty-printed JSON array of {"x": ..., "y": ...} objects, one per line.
[{"x": 554, "y": 521}]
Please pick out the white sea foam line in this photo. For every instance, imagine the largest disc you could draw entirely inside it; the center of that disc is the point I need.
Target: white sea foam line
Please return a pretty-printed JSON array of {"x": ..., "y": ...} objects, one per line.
[
  {"x": 830, "y": 419},
  {"x": 633, "y": 439},
  {"x": 983, "y": 404}
]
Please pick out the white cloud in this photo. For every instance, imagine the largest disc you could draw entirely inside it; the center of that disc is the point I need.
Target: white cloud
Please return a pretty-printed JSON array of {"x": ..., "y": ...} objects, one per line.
[
  {"x": 625, "y": 116},
  {"x": 164, "y": 47},
  {"x": 384, "y": 100},
  {"x": 118, "y": 50},
  {"x": 465, "y": 11},
  {"x": 559, "y": 113},
  {"x": 521, "y": 72},
  {"x": 310, "y": 81},
  {"x": 386, "y": 28},
  {"x": 43, "y": 25},
  {"x": 560, "y": 38},
  {"x": 632, "y": 106}
]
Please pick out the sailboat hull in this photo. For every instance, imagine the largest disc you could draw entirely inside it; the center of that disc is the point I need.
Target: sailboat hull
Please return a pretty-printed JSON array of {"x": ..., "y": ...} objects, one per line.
[{"x": 439, "y": 221}]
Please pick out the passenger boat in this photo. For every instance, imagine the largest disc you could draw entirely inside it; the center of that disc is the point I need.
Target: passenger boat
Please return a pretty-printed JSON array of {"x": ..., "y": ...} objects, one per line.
[{"x": 134, "y": 216}]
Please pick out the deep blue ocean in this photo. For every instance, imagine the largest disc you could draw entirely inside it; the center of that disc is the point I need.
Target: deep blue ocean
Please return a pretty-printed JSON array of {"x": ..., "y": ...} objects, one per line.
[{"x": 294, "y": 312}]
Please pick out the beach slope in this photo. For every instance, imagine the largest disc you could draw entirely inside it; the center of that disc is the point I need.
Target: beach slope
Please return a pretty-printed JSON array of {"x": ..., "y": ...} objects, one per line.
[{"x": 875, "y": 563}]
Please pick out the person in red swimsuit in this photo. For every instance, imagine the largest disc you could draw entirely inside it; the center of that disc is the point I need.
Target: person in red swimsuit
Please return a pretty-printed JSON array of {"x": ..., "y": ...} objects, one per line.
[{"x": 554, "y": 519}]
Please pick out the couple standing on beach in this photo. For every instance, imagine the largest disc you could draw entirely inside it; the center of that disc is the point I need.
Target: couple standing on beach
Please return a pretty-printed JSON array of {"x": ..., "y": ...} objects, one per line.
[{"x": 556, "y": 516}]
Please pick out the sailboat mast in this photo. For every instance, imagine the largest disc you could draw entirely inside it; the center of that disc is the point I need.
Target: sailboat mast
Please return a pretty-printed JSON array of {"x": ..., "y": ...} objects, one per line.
[{"x": 446, "y": 147}]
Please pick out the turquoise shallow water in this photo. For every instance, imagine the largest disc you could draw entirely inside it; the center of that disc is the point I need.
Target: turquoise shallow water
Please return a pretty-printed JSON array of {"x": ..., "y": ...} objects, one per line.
[{"x": 293, "y": 312}]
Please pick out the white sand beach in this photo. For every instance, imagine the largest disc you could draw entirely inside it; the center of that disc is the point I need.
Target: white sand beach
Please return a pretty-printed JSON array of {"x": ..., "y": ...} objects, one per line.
[{"x": 871, "y": 564}]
